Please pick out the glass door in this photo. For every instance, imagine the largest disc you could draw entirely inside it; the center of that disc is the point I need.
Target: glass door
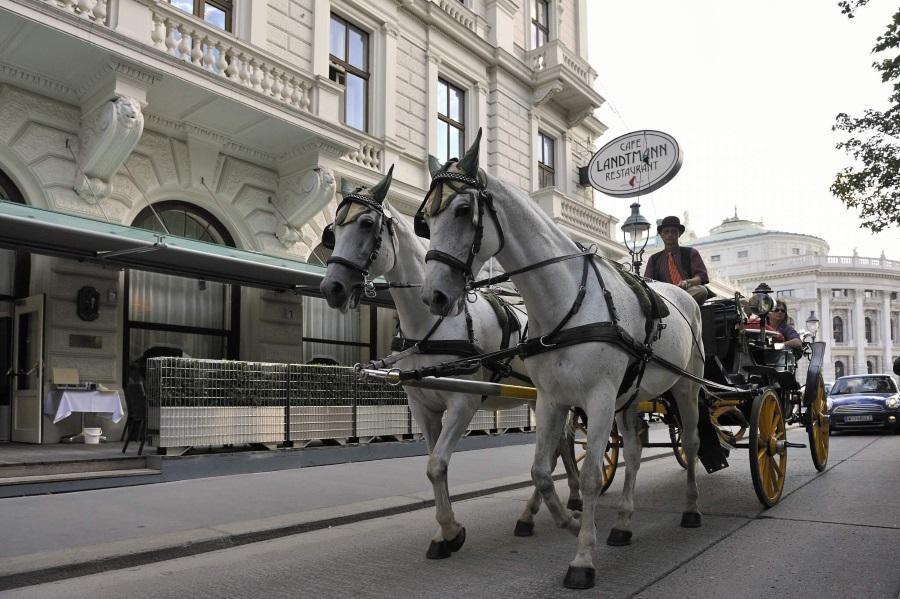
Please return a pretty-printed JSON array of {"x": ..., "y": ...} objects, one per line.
[{"x": 28, "y": 351}]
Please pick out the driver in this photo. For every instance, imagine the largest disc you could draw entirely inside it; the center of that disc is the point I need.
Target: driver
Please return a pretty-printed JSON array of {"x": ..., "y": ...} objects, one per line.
[
  {"x": 778, "y": 321},
  {"x": 681, "y": 266}
]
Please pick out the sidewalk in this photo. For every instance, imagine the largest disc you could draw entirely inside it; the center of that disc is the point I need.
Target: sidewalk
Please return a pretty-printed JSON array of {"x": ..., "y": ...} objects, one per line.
[{"x": 51, "y": 537}]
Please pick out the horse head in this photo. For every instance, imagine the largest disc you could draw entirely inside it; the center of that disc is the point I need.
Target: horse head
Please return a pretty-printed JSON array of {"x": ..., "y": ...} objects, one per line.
[
  {"x": 458, "y": 217},
  {"x": 362, "y": 242}
]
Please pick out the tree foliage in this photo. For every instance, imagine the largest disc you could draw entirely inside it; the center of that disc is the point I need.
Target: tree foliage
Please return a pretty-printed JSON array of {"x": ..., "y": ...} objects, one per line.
[{"x": 873, "y": 185}]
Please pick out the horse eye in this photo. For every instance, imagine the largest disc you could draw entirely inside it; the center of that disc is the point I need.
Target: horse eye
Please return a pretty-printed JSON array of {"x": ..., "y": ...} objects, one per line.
[
  {"x": 462, "y": 210},
  {"x": 365, "y": 224}
]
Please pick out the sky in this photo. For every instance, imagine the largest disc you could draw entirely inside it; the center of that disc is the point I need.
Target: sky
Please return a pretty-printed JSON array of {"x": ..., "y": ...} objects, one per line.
[{"x": 750, "y": 90}]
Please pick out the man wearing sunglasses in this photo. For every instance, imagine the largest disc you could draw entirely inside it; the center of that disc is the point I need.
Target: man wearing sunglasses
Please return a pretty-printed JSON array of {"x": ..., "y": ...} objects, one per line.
[{"x": 778, "y": 321}]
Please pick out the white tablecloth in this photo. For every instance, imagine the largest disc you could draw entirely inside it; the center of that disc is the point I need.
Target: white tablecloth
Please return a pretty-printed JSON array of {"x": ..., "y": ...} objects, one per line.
[{"x": 106, "y": 403}]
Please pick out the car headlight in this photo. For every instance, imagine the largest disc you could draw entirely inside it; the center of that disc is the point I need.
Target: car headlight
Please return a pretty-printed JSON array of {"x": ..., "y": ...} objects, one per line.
[
  {"x": 829, "y": 404},
  {"x": 893, "y": 403}
]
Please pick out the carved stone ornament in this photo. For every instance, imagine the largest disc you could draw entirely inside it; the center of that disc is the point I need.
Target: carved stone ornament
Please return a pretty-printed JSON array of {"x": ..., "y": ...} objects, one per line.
[
  {"x": 300, "y": 197},
  {"x": 543, "y": 94},
  {"x": 108, "y": 135}
]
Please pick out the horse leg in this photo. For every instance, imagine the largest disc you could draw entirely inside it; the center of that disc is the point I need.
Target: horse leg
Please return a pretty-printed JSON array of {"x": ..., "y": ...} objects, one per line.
[
  {"x": 451, "y": 535},
  {"x": 686, "y": 396},
  {"x": 630, "y": 428},
  {"x": 581, "y": 572},
  {"x": 551, "y": 420},
  {"x": 565, "y": 449},
  {"x": 567, "y": 452}
]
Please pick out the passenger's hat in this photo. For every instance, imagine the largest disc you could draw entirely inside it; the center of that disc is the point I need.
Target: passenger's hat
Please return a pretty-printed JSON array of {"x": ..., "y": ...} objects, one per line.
[{"x": 670, "y": 221}]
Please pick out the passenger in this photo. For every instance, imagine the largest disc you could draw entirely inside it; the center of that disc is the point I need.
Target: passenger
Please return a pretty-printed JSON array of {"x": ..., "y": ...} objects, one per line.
[
  {"x": 677, "y": 265},
  {"x": 778, "y": 320}
]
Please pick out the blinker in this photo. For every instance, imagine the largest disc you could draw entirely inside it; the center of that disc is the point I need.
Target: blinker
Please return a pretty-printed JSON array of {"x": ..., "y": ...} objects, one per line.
[
  {"x": 328, "y": 236},
  {"x": 420, "y": 226}
]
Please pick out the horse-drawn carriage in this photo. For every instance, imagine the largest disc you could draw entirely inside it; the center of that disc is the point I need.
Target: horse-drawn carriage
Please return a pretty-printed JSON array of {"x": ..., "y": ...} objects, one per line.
[{"x": 754, "y": 394}]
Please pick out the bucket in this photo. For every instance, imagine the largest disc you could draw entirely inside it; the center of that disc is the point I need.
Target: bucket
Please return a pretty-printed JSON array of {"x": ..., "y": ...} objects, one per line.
[{"x": 92, "y": 436}]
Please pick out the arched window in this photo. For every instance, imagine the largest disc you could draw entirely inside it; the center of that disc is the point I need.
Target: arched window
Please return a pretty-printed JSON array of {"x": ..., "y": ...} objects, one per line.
[
  {"x": 838, "y": 329},
  {"x": 868, "y": 322},
  {"x": 170, "y": 315},
  {"x": 870, "y": 368},
  {"x": 838, "y": 369}
]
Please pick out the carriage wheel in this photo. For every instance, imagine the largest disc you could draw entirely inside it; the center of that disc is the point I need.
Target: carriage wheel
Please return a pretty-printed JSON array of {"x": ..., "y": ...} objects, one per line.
[
  {"x": 817, "y": 426},
  {"x": 768, "y": 448},
  {"x": 610, "y": 457},
  {"x": 677, "y": 448}
]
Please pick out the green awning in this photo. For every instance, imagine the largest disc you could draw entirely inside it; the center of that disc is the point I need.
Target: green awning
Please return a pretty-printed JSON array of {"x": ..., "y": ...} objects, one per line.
[{"x": 40, "y": 231}]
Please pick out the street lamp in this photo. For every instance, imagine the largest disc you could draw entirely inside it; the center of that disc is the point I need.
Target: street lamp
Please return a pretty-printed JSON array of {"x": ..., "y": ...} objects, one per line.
[
  {"x": 636, "y": 230},
  {"x": 812, "y": 324}
]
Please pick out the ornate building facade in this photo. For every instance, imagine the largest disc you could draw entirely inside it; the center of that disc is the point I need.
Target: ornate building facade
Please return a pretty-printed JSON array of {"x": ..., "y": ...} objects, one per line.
[
  {"x": 233, "y": 122},
  {"x": 855, "y": 298}
]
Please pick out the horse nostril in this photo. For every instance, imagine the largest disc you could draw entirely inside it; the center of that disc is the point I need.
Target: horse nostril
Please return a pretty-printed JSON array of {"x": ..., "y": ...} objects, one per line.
[
  {"x": 336, "y": 289},
  {"x": 438, "y": 298}
]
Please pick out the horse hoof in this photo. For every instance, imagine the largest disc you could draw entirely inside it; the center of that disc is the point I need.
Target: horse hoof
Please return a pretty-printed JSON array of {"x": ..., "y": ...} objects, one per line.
[
  {"x": 524, "y": 529},
  {"x": 579, "y": 578},
  {"x": 618, "y": 538},
  {"x": 457, "y": 543},
  {"x": 438, "y": 550},
  {"x": 690, "y": 520},
  {"x": 576, "y": 505}
]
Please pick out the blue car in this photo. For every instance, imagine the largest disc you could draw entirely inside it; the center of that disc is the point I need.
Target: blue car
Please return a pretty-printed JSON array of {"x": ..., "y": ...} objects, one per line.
[{"x": 864, "y": 402}]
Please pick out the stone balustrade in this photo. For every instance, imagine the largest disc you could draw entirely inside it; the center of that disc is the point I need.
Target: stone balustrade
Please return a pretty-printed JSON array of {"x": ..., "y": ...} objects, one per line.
[
  {"x": 458, "y": 13},
  {"x": 92, "y": 10},
  {"x": 555, "y": 53},
  {"x": 814, "y": 261},
  {"x": 223, "y": 56},
  {"x": 366, "y": 155}
]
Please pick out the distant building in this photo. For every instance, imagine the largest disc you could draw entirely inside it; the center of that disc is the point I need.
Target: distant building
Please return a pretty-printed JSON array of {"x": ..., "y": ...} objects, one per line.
[{"x": 854, "y": 298}]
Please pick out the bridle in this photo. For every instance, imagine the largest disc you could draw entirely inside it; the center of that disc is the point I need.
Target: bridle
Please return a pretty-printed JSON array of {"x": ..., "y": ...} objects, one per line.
[
  {"x": 328, "y": 239},
  {"x": 459, "y": 182}
]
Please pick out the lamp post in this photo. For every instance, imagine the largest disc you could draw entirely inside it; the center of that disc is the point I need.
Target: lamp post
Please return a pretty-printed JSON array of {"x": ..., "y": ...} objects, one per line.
[
  {"x": 812, "y": 324},
  {"x": 636, "y": 230}
]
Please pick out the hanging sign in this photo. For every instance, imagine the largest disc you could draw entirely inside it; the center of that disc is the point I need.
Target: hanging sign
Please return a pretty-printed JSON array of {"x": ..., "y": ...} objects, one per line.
[{"x": 635, "y": 163}]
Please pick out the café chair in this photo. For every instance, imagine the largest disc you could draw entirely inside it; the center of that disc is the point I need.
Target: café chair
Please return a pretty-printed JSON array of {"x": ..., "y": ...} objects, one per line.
[{"x": 136, "y": 424}]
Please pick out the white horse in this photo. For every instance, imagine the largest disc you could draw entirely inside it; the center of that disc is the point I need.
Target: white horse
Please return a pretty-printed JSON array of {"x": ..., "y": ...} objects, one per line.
[
  {"x": 368, "y": 242},
  {"x": 471, "y": 217}
]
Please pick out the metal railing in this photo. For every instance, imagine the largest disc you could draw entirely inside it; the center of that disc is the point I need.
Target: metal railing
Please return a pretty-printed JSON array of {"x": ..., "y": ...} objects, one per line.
[{"x": 223, "y": 402}]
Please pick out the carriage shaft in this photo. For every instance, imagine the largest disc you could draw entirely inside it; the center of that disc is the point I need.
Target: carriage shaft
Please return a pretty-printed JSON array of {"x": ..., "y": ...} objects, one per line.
[{"x": 391, "y": 377}]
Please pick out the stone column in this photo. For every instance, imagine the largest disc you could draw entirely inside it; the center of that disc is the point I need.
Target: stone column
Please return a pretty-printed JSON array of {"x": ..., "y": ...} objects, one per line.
[
  {"x": 859, "y": 332},
  {"x": 431, "y": 83},
  {"x": 826, "y": 332},
  {"x": 887, "y": 362}
]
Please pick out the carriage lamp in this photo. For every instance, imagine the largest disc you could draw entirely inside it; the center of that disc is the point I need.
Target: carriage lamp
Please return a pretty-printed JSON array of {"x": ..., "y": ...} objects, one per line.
[
  {"x": 812, "y": 324},
  {"x": 761, "y": 303},
  {"x": 636, "y": 229}
]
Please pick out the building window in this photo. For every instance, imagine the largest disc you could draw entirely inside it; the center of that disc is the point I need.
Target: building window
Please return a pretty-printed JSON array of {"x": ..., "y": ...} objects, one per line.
[
  {"x": 547, "y": 161},
  {"x": 795, "y": 251},
  {"x": 743, "y": 253},
  {"x": 837, "y": 329},
  {"x": 715, "y": 258},
  {"x": 785, "y": 293},
  {"x": 215, "y": 12},
  {"x": 868, "y": 322},
  {"x": 838, "y": 369},
  {"x": 540, "y": 23},
  {"x": 180, "y": 315},
  {"x": 350, "y": 68},
  {"x": 451, "y": 108},
  {"x": 838, "y": 293},
  {"x": 870, "y": 368}
]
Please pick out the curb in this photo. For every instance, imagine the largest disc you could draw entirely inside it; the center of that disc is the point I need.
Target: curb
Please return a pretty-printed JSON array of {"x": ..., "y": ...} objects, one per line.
[{"x": 52, "y": 566}]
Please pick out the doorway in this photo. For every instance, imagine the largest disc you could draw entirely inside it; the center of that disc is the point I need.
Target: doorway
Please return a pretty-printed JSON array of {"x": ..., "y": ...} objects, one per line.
[{"x": 27, "y": 369}]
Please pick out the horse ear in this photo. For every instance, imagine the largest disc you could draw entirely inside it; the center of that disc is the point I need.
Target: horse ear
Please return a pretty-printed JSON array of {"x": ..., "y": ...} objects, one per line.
[
  {"x": 469, "y": 162},
  {"x": 346, "y": 187},
  {"x": 379, "y": 191},
  {"x": 434, "y": 165}
]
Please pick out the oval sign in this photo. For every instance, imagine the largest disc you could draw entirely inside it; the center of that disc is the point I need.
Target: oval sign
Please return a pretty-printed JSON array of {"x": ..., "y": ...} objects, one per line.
[{"x": 635, "y": 163}]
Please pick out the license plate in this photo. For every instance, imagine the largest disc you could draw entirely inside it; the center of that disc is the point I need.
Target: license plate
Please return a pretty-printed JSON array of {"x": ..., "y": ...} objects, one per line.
[{"x": 866, "y": 418}]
